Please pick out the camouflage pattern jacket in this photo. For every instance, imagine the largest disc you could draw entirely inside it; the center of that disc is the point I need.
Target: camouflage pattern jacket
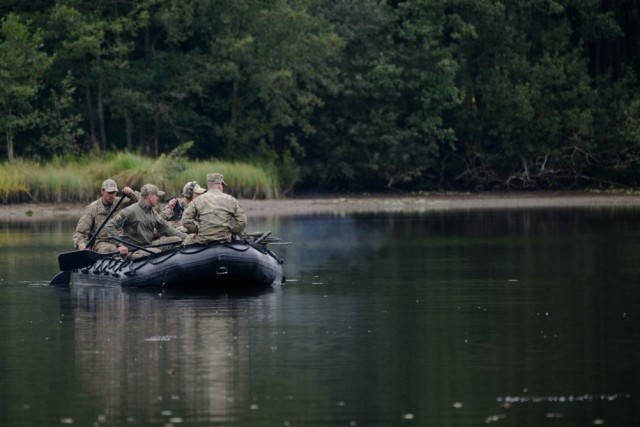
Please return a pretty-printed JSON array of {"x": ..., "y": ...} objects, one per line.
[
  {"x": 93, "y": 217},
  {"x": 138, "y": 223},
  {"x": 214, "y": 217},
  {"x": 174, "y": 215}
]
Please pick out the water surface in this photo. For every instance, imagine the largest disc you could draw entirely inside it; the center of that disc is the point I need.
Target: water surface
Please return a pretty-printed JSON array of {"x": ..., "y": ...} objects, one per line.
[{"x": 523, "y": 318}]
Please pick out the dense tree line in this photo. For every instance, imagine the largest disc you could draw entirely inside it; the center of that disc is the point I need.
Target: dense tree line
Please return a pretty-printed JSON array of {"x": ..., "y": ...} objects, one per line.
[{"x": 340, "y": 94}]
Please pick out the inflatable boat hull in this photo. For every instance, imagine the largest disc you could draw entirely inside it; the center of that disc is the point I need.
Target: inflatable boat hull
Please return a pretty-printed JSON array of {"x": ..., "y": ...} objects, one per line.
[{"x": 208, "y": 267}]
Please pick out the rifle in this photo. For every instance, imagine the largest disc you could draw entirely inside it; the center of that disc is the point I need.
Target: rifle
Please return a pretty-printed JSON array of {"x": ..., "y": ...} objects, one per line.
[{"x": 177, "y": 209}]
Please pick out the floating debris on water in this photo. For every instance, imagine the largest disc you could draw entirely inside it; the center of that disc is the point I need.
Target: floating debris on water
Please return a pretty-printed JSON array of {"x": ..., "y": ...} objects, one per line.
[
  {"x": 161, "y": 338},
  {"x": 494, "y": 418},
  {"x": 553, "y": 415},
  {"x": 564, "y": 399}
]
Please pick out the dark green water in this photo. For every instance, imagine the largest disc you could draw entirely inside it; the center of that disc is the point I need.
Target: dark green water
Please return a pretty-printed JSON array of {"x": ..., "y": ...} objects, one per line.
[{"x": 519, "y": 318}]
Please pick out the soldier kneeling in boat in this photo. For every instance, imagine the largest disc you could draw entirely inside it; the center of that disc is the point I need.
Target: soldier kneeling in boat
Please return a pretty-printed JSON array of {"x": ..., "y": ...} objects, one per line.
[
  {"x": 214, "y": 216},
  {"x": 95, "y": 214},
  {"x": 175, "y": 207},
  {"x": 139, "y": 221}
]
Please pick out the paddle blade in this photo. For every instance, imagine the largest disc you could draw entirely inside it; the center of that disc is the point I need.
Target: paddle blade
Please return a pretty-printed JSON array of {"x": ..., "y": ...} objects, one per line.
[
  {"x": 78, "y": 259},
  {"x": 62, "y": 278}
]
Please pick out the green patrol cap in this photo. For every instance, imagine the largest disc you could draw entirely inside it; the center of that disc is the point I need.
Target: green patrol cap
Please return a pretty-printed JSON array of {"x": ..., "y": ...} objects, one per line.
[
  {"x": 216, "y": 178},
  {"x": 149, "y": 189},
  {"x": 109, "y": 185}
]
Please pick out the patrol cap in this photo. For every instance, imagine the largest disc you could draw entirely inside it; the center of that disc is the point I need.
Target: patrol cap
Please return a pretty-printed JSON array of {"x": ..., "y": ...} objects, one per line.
[
  {"x": 216, "y": 178},
  {"x": 190, "y": 188},
  {"x": 109, "y": 185},
  {"x": 149, "y": 189}
]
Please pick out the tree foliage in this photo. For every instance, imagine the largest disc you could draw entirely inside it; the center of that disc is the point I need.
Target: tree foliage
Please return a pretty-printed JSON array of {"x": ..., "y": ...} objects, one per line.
[
  {"x": 340, "y": 95},
  {"x": 22, "y": 64}
]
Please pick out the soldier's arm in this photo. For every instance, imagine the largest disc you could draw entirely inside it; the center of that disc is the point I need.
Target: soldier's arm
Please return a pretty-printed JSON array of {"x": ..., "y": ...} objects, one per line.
[
  {"x": 165, "y": 229},
  {"x": 167, "y": 212},
  {"x": 188, "y": 218},
  {"x": 132, "y": 197},
  {"x": 240, "y": 220},
  {"x": 83, "y": 229},
  {"x": 115, "y": 224}
]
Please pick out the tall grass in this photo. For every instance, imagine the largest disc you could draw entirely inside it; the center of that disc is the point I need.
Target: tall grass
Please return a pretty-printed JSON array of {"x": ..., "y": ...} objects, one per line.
[
  {"x": 243, "y": 180},
  {"x": 12, "y": 182},
  {"x": 78, "y": 180}
]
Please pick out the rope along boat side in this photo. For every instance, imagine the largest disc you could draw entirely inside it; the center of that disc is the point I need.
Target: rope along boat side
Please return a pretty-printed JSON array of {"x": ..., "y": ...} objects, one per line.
[{"x": 239, "y": 264}]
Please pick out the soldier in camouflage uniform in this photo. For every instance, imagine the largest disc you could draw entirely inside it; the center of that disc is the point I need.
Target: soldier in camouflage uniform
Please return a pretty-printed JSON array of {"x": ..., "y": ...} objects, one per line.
[
  {"x": 174, "y": 209},
  {"x": 94, "y": 215},
  {"x": 139, "y": 221},
  {"x": 214, "y": 216}
]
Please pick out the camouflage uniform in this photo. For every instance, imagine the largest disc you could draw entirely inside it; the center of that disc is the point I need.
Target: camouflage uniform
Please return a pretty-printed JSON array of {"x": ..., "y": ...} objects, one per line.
[
  {"x": 138, "y": 223},
  {"x": 214, "y": 217},
  {"x": 92, "y": 218},
  {"x": 174, "y": 215}
]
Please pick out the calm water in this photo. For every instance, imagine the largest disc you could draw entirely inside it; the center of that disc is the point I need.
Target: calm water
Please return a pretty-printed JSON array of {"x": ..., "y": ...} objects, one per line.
[{"x": 520, "y": 318}]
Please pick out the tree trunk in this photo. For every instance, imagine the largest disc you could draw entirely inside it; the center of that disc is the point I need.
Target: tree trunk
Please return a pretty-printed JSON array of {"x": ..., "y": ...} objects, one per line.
[
  {"x": 235, "y": 103},
  {"x": 147, "y": 43},
  {"x": 232, "y": 134},
  {"x": 90, "y": 114},
  {"x": 10, "y": 154},
  {"x": 156, "y": 143},
  {"x": 100, "y": 101},
  {"x": 129, "y": 129},
  {"x": 142, "y": 138},
  {"x": 9, "y": 139}
]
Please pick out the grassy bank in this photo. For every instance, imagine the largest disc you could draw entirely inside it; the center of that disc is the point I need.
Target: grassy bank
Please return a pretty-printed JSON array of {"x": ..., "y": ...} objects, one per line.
[{"x": 77, "y": 180}]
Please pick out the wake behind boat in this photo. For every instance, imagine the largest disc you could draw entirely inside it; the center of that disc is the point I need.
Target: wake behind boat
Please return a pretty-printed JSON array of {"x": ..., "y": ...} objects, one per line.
[{"x": 241, "y": 264}]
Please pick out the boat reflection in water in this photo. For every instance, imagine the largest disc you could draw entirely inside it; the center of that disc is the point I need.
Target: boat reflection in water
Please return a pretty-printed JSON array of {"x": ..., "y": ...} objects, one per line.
[{"x": 149, "y": 357}]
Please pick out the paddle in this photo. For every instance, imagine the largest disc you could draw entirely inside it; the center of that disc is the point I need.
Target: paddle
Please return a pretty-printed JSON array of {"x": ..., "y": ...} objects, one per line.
[
  {"x": 264, "y": 236},
  {"x": 62, "y": 278},
  {"x": 90, "y": 242},
  {"x": 76, "y": 259},
  {"x": 157, "y": 245},
  {"x": 79, "y": 259}
]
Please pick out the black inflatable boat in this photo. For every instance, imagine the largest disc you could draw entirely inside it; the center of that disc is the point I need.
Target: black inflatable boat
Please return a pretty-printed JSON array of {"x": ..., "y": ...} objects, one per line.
[{"x": 239, "y": 264}]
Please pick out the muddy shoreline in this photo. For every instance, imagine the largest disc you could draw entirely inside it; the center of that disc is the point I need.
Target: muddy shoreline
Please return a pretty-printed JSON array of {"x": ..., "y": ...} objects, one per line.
[{"x": 366, "y": 204}]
